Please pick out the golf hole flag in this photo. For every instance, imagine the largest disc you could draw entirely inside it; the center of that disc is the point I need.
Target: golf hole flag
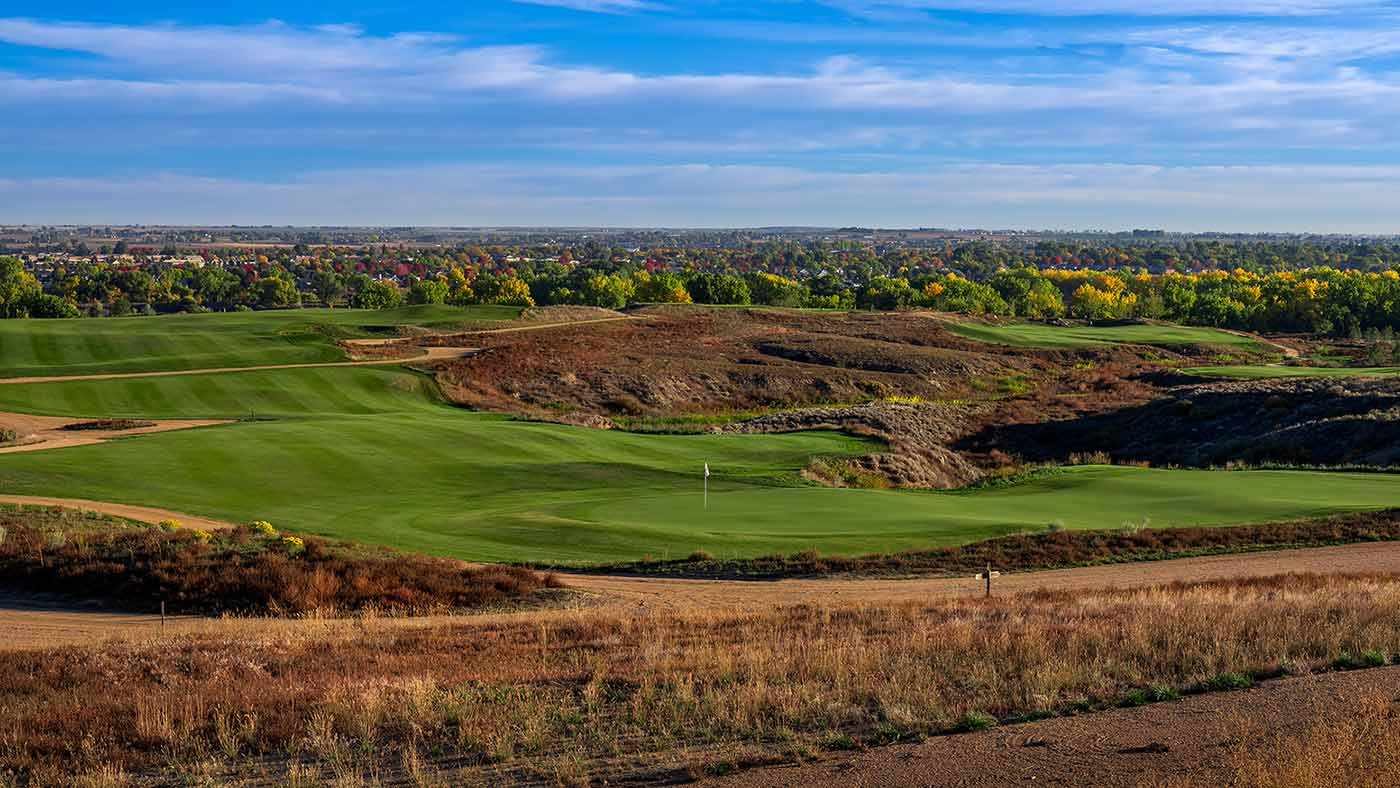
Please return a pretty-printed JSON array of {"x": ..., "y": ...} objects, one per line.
[{"x": 707, "y": 485}]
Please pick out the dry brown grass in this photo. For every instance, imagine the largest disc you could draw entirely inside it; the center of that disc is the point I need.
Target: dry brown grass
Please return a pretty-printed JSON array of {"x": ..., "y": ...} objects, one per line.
[
  {"x": 559, "y": 696},
  {"x": 1357, "y": 747}
]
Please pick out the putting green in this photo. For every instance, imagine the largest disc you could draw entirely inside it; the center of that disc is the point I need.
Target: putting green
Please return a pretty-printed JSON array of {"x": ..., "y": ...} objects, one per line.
[
  {"x": 1049, "y": 336},
  {"x": 1261, "y": 372},
  {"x": 210, "y": 341}
]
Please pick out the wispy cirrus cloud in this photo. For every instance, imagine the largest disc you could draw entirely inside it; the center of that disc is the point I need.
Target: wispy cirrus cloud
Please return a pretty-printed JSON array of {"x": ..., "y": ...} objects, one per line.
[
  {"x": 346, "y": 66},
  {"x": 599, "y": 6},
  {"x": 1177, "y": 8}
]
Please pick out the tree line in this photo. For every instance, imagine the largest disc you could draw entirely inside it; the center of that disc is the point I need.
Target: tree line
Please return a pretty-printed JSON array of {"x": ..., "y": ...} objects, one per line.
[{"x": 1321, "y": 298}]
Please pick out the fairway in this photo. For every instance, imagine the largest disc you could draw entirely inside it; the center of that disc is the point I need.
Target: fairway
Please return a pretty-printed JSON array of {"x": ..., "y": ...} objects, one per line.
[
  {"x": 426, "y": 476},
  {"x": 1261, "y": 372},
  {"x": 1049, "y": 336},
  {"x": 230, "y": 395},
  {"x": 208, "y": 341}
]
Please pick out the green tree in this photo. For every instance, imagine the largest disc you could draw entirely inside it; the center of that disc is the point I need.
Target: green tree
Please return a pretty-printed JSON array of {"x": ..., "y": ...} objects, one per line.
[
  {"x": 428, "y": 291},
  {"x": 18, "y": 288},
  {"x": 275, "y": 291},
  {"x": 328, "y": 286},
  {"x": 377, "y": 294}
]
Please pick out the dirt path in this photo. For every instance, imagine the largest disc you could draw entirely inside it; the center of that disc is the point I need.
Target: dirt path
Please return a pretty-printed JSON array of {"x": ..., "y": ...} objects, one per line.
[
  {"x": 673, "y": 594},
  {"x": 1288, "y": 352},
  {"x": 39, "y": 433},
  {"x": 1146, "y": 746},
  {"x": 141, "y": 514},
  {"x": 30, "y": 628}
]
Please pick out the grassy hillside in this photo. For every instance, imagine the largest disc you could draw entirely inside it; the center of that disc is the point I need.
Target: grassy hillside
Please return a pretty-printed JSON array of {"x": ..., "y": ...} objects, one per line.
[
  {"x": 230, "y": 395},
  {"x": 231, "y": 339},
  {"x": 1048, "y": 336},
  {"x": 1259, "y": 372}
]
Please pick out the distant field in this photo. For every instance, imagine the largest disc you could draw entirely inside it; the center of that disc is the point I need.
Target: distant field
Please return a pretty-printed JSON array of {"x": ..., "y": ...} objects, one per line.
[
  {"x": 1047, "y": 336},
  {"x": 215, "y": 340},
  {"x": 1259, "y": 372}
]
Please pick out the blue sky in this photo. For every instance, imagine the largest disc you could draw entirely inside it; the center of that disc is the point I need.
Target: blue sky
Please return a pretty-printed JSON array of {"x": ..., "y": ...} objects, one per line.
[{"x": 1087, "y": 114}]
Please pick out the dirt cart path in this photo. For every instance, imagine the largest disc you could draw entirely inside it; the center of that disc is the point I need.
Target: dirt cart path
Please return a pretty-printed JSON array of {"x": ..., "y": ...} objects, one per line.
[
  {"x": 141, "y": 514},
  {"x": 46, "y": 432},
  {"x": 33, "y": 628},
  {"x": 643, "y": 593}
]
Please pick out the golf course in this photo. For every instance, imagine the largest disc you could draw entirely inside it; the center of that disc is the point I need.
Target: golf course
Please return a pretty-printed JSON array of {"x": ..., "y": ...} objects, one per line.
[{"x": 376, "y": 454}]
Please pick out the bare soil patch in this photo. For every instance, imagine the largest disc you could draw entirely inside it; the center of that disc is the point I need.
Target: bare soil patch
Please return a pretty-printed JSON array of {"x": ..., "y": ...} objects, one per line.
[
  {"x": 1198, "y": 738},
  {"x": 37, "y": 433}
]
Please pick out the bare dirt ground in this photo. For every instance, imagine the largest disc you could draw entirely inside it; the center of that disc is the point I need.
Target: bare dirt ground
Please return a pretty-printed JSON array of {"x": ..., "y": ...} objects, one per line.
[
  {"x": 1147, "y": 746},
  {"x": 38, "y": 433}
]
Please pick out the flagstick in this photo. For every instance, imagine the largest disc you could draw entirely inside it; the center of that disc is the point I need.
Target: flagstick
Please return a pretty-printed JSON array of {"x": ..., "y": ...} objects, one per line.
[{"x": 707, "y": 487}]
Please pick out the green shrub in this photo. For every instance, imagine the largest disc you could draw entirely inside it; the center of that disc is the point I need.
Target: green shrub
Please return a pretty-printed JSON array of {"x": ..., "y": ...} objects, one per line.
[
  {"x": 1228, "y": 681},
  {"x": 974, "y": 721}
]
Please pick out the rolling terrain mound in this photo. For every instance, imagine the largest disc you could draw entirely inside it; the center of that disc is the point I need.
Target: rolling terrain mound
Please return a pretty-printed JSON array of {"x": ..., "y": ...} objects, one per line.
[
  {"x": 726, "y": 360},
  {"x": 1301, "y": 421},
  {"x": 910, "y": 379}
]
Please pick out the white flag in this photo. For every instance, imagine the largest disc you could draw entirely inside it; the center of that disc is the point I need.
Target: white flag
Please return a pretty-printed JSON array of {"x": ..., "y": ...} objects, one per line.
[{"x": 707, "y": 470}]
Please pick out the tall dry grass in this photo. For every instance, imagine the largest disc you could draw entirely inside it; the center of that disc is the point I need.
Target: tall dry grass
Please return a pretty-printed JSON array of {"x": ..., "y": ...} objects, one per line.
[
  {"x": 1356, "y": 747},
  {"x": 555, "y": 697}
]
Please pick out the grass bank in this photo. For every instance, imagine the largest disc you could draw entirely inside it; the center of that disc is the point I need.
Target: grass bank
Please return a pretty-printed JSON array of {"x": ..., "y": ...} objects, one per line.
[{"x": 211, "y": 341}]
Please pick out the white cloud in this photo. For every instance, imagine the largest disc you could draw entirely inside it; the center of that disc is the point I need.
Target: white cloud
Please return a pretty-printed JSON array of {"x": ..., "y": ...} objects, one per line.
[{"x": 175, "y": 67}]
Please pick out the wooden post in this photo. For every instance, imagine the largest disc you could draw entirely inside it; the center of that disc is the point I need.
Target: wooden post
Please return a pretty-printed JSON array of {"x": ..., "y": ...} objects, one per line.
[
  {"x": 987, "y": 576},
  {"x": 162, "y": 616}
]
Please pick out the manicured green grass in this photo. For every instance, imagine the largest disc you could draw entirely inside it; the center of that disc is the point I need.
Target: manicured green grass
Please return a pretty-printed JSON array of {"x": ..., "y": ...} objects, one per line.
[
  {"x": 230, "y": 395},
  {"x": 1260, "y": 372},
  {"x": 1048, "y": 336},
  {"x": 372, "y": 454},
  {"x": 216, "y": 340},
  {"x": 486, "y": 487}
]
